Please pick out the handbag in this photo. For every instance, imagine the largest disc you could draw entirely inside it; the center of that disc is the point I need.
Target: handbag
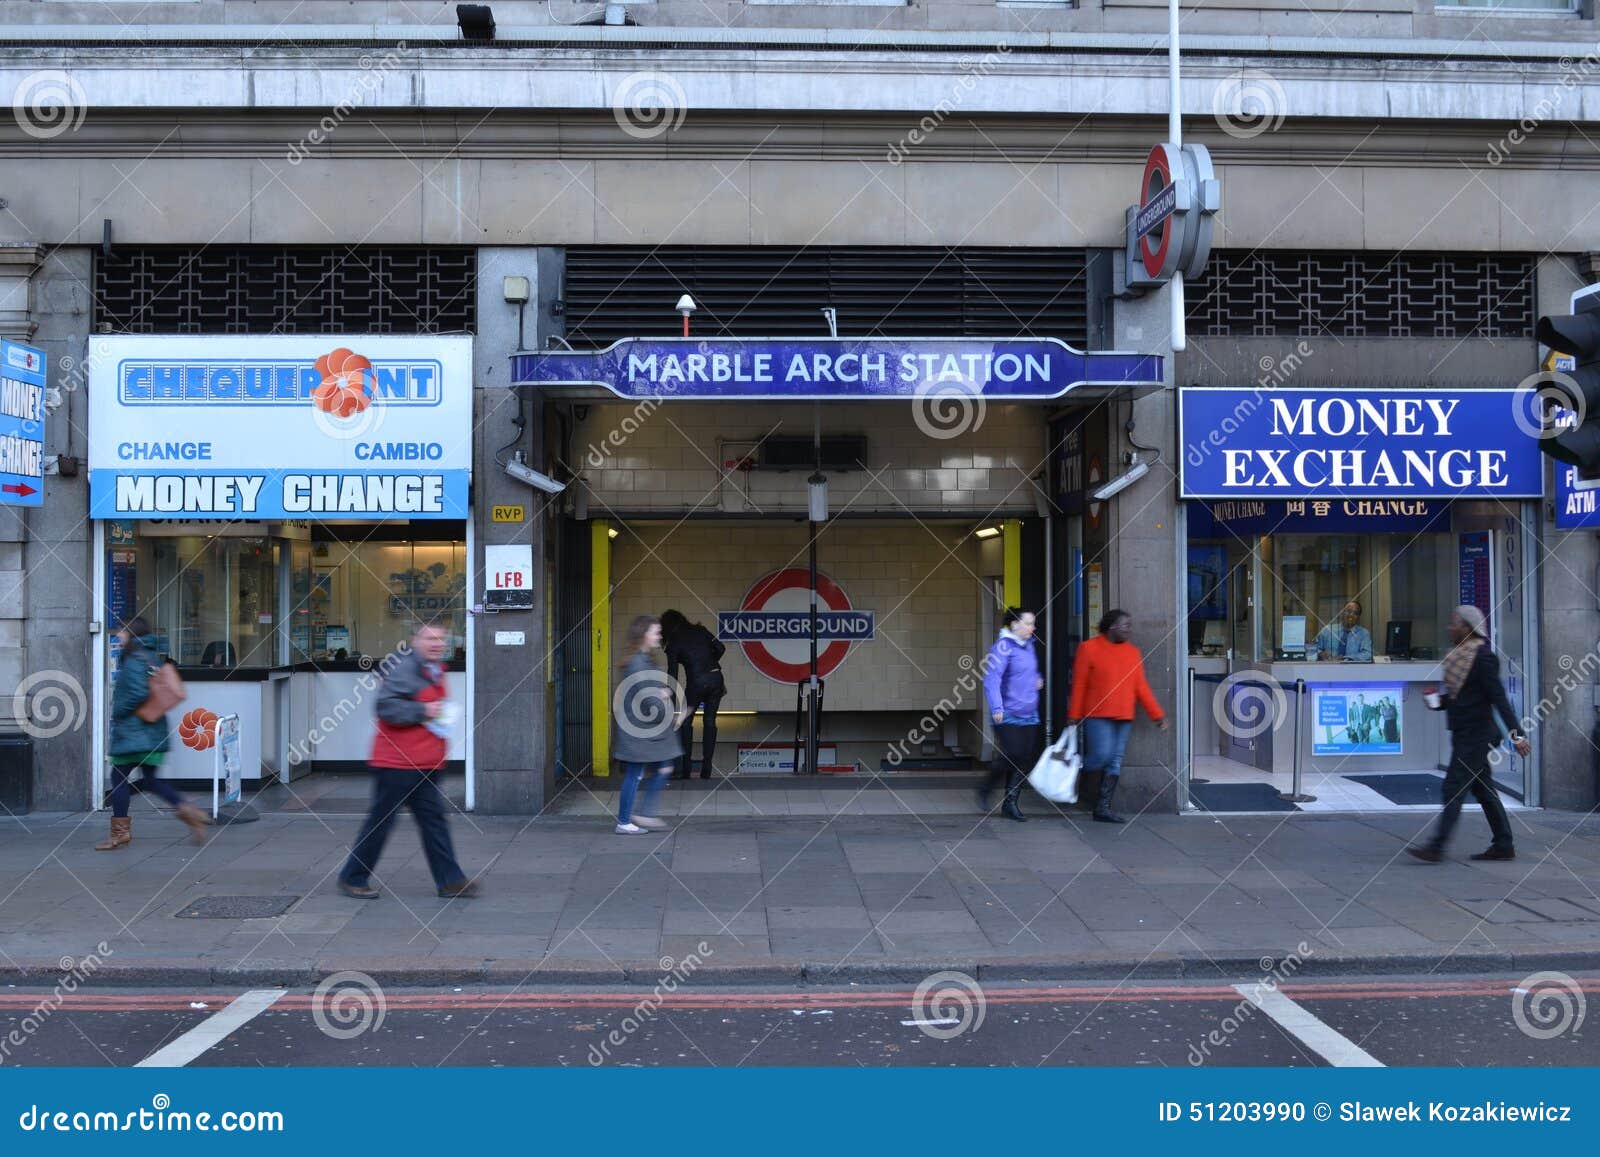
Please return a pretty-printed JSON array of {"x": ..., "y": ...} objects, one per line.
[
  {"x": 1055, "y": 776},
  {"x": 166, "y": 692}
]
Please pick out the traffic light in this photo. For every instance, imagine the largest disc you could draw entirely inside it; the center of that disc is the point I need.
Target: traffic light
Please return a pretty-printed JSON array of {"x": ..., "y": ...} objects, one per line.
[{"x": 1578, "y": 334}]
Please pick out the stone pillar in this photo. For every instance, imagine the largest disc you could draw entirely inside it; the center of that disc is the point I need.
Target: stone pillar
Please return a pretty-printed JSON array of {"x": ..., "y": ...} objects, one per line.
[
  {"x": 1143, "y": 564},
  {"x": 1569, "y": 642},
  {"x": 512, "y": 734}
]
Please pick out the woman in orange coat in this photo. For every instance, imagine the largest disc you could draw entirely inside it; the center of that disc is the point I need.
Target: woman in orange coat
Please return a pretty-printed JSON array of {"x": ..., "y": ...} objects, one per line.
[{"x": 1107, "y": 680}]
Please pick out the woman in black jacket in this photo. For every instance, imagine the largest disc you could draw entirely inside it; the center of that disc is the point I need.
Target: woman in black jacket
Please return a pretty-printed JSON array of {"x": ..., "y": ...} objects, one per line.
[
  {"x": 699, "y": 653},
  {"x": 1473, "y": 695}
]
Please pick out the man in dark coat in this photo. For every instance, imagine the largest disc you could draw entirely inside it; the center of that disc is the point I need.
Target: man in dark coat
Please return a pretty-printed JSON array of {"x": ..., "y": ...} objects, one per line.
[
  {"x": 699, "y": 653},
  {"x": 1473, "y": 695}
]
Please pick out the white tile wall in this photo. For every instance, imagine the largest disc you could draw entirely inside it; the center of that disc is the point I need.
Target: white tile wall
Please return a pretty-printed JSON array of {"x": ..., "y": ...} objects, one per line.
[
  {"x": 670, "y": 458},
  {"x": 922, "y": 580}
]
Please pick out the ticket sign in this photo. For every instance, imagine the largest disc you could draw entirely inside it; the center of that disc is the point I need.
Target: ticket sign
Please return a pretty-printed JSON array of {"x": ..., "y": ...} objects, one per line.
[
  {"x": 280, "y": 427},
  {"x": 22, "y": 414},
  {"x": 508, "y": 577}
]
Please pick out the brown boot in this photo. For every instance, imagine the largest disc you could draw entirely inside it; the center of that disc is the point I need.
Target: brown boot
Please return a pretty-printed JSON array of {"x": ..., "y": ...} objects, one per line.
[
  {"x": 121, "y": 835},
  {"x": 196, "y": 820}
]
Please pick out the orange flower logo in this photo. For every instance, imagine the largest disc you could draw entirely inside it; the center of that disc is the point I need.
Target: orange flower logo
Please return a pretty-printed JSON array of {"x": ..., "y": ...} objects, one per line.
[
  {"x": 346, "y": 387},
  {"x": 198, "y": 729}
]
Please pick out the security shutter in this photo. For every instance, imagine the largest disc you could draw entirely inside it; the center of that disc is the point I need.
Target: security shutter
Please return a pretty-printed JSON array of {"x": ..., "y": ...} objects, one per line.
[{"x": 612, "y": 292}]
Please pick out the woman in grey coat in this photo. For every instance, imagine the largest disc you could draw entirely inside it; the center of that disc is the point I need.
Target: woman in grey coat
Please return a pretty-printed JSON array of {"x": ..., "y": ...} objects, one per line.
[{"x": 647, "y": 709}]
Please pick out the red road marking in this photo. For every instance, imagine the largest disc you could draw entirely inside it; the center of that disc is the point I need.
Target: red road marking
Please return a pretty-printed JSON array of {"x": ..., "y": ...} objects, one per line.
[{"x": 804, "y": 999}]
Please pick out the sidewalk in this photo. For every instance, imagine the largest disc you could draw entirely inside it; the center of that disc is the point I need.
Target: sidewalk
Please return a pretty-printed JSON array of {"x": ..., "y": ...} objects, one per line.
[{"x": 822, "y": 899}]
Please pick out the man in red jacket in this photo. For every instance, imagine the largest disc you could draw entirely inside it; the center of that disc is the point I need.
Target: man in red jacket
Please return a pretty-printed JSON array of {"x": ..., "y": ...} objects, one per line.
[
  {"x": 1107, "y": 679},
  {"x": 414, "y": 721}
]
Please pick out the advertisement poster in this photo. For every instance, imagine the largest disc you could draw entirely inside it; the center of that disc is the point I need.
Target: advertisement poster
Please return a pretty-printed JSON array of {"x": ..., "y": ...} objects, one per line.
[{"x": 1357, "y": 719}]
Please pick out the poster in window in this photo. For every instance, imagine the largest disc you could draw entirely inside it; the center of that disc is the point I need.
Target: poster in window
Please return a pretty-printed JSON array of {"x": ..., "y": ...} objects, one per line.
[{"x": 1357, "y": 719}]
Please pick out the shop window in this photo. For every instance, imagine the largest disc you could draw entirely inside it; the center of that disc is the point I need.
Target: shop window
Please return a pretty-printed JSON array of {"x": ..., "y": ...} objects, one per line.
[
  {"x": 211, "y": 600},
  {"x": 355, "y": 599},
  {"x": 1309, "y": 580}
]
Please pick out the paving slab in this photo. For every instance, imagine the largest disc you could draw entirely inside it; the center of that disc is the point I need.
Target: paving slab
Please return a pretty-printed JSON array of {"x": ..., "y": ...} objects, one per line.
[{"x": 777, "y": 898}]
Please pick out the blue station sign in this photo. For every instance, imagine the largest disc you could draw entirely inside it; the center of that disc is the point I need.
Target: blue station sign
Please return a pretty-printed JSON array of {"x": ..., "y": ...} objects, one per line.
[
  {"x": 22, "y": 414},
  {"x": 765, "y": 369},
  {"x": 1323, "y": 443}
]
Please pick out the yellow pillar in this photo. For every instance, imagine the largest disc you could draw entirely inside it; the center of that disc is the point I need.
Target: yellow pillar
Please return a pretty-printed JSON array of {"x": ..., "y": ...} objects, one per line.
[
  {"x": 600, "y": 644},
  {"x": 1012, "y": 539}
]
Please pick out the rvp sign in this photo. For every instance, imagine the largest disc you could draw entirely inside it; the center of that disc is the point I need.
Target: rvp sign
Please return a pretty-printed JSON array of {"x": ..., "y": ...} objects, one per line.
[{"x": 508, "y": 578}]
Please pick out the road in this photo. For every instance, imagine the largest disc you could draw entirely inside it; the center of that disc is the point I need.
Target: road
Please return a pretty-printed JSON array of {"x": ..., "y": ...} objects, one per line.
[{"x": 1389, "y": 1021}]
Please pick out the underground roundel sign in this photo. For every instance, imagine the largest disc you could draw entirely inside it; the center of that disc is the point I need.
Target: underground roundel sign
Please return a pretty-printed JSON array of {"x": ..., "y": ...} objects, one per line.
[{"x": 773, "y": 625}]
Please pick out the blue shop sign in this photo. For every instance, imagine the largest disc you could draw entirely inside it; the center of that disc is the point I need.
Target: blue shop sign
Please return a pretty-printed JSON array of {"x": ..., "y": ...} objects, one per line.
[
  {"x": 1321, "y": 443},
  {"x": 22, "y": 415},
  {"x": 1575, "y": 509},
  {"x": 1015, "y": 369},
  {"x": 1249, "y": 517}
]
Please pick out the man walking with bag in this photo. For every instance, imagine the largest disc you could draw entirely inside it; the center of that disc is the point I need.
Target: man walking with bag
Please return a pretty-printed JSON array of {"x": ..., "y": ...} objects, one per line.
[
  {"x": 1107, "y": 680},
  {"x": 1473, "y": 695},
  {"x": 415, "y": 719}
]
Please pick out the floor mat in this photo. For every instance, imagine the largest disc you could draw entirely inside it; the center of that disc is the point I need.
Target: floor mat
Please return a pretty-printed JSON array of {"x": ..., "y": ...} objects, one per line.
[
  {"x": 1238, "y": 797},
  {"x": 1406, "y": 787}
]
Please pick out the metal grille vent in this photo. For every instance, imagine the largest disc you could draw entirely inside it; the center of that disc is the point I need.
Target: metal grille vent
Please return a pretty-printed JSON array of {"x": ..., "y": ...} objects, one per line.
[
  {"x": 617, "y": 292},
  {"x": 1358, "y": 295},
  {"x": 290, "y": 289}
]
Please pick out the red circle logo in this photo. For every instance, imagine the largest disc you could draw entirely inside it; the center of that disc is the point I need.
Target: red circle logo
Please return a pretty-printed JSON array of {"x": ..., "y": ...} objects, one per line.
[
  {"x": 788, "y": 660},
  {"x": 198, "y": 728}
]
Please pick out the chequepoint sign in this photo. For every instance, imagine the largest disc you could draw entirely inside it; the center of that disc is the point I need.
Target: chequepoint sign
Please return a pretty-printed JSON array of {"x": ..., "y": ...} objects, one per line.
[{"x": 1169, "y": 230}]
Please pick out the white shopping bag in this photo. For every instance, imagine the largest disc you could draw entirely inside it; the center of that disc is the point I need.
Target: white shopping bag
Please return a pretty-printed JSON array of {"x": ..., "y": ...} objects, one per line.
[{"x": 1055, "y": 776}]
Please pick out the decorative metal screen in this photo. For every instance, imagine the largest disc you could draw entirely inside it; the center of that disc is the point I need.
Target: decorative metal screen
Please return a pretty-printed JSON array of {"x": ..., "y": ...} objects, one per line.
[
  {"x": 1419, "y": 295},
  {"x": 286, "y": 289},
  {"x": 616, "y": 292}
]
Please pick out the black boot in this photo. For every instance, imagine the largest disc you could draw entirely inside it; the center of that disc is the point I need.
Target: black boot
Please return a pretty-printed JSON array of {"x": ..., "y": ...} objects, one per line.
[
  {"x": 1102, "y": 809},
  {"x": 1013, "y": 788}
]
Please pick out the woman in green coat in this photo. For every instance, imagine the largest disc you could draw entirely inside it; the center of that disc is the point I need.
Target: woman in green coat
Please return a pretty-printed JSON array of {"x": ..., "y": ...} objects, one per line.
[{"x": 138, "y": 744}]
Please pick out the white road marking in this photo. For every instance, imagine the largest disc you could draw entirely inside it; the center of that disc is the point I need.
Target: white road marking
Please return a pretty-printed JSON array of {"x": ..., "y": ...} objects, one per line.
[
  {"x": 1339, "y": 1051},
  {"x": 938, "y": 1023},
  {"x": 211, "y": 1031}
]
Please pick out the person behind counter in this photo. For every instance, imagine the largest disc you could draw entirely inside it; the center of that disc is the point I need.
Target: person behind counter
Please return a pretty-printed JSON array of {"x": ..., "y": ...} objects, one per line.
[{"x": 1346, "y": 639}]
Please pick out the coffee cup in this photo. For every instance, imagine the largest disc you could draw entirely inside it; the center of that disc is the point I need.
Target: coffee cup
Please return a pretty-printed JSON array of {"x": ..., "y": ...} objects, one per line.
[{"x": 1433, "y": 699}]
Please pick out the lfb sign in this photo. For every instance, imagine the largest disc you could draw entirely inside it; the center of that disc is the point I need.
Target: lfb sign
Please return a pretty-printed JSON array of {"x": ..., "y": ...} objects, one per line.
[{"x": 1169, "y": 230}]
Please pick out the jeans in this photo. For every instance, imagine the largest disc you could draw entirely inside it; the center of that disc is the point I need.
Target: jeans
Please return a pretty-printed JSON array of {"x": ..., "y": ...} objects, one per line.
[
  {"x": 392, "y": 789},
  {"x": 1104, "y": 741},
  {"x": 709, "y": 699},
  {"x": 631, "y": 774},
  {"x": 1469, "y": 773},
  {"x": 1016, "y": 747},
  {"x": 122, "y": 786}
]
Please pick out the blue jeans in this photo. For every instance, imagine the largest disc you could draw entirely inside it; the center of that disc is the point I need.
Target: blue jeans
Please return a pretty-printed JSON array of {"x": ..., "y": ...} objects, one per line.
[
  {"x": 631, "y": 774},
  {"x": 1104, "y": 741}
]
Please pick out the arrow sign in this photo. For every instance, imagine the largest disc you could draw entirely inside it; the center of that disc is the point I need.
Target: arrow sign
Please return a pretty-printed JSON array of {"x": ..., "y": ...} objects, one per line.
[
  {"x": 21, "y": 489},
  {"x": 23, "y": 408}
]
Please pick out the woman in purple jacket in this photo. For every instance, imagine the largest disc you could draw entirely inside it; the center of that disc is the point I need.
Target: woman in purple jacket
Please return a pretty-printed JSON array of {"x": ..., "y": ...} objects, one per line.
[{"x": 1011, "y": 684}]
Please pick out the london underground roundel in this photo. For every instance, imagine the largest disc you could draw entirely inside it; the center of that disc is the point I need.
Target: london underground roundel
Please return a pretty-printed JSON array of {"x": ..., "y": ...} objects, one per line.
[
  {"x": 1162, "y": 198},
  {"x": 773, "y": 624}
]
